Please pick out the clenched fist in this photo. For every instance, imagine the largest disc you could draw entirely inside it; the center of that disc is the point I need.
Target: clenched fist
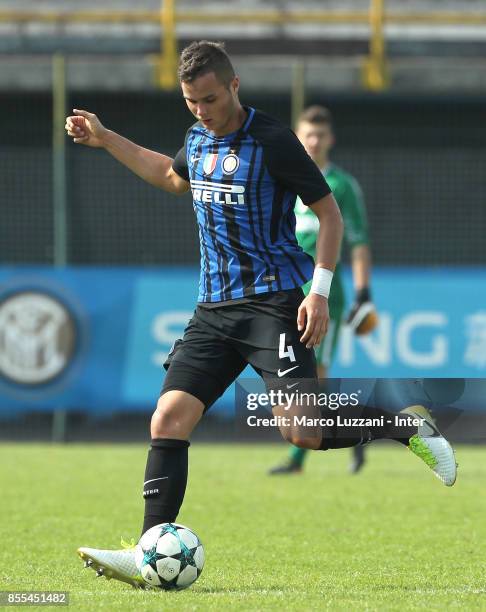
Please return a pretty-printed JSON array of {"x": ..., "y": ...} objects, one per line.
[{"x": 85, "y": 128}]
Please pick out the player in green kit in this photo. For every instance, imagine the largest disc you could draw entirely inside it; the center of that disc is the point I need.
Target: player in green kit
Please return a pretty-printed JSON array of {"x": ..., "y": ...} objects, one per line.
[{"x": 314, "y": 130}]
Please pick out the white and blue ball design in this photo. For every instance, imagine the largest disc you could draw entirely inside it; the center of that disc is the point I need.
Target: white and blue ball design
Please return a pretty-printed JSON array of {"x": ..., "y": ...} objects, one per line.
[{"x": 170, "y": 556}]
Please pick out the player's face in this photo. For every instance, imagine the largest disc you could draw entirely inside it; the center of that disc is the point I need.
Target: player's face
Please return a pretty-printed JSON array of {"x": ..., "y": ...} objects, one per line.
[
  {"x": 317, "y": 139},
  {"x": 213, "y": 103}
]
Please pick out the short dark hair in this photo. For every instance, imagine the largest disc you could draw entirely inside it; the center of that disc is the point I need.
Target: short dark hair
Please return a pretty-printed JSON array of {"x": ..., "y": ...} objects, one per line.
[
  {"x": 204, "y": 56},
  {"x": 317, "y": 115}
]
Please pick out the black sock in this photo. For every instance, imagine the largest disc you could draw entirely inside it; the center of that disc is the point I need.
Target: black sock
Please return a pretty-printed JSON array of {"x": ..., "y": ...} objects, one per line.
[
  {"x": 343, "y": 437},
  {"x": 390, "y": 431},
  {"x": 165, "y": 481},
  {"x": 334, "y": 436},
  {"x": 328, "y": 443}
]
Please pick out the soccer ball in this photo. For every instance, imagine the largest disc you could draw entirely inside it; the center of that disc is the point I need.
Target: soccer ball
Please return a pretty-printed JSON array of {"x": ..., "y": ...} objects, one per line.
[{"x": 170, "y": 556}]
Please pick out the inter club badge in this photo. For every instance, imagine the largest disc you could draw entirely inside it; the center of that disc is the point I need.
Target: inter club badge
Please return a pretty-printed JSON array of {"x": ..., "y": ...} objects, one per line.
[{"x": 230, "y": 164}]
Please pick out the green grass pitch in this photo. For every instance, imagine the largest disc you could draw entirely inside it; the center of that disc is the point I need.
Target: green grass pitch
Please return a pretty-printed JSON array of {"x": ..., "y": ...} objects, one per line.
[{"x": 391, "y": 538}]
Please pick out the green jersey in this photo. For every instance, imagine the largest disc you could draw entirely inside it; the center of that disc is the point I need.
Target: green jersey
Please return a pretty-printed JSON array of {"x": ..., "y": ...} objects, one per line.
[
  {"x": 348, "y": 195},
  {"x": 349, "y": 198}
]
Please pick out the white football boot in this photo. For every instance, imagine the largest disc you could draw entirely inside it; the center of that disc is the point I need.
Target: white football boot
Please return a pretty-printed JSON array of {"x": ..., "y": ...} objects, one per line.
[
  {"x": 117, "y": 564},
  {"x": 431, "y": 446}
]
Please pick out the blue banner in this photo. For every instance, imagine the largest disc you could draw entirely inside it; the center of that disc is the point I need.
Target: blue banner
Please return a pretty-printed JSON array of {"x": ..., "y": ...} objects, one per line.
[
  {"x": 432, "y": 324},
  {"x": 94, "y": 339}
]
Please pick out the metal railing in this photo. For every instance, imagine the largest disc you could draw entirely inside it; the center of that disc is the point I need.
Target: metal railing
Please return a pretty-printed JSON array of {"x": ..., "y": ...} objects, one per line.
[{"x": 377, "y": 17}]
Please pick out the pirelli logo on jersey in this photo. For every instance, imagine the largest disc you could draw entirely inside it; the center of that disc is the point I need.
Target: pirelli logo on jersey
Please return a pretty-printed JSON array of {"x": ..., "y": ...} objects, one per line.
[{"x": 217, "y": 193}]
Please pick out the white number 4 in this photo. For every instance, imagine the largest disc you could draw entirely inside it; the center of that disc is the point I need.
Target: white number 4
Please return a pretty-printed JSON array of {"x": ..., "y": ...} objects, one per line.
[{"x": 283, "y": 352}]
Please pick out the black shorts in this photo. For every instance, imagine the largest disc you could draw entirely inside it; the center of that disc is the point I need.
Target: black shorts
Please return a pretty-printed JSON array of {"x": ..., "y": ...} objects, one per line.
[{"x": 220, "y": 341}]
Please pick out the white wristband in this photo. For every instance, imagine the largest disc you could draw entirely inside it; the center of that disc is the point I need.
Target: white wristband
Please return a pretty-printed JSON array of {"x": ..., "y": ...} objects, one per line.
[{"x": 321, "y": 282}]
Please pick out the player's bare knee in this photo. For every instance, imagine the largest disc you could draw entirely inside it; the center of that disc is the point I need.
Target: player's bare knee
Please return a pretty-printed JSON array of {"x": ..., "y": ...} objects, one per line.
[
  {"x": 176, "y": 415},
  {"x": 165, "y": 419}
]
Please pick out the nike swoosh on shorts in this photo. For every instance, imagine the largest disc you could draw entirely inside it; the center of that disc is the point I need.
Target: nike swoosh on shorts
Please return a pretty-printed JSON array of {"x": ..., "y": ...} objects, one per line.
[{"x": 281, "y": 373}]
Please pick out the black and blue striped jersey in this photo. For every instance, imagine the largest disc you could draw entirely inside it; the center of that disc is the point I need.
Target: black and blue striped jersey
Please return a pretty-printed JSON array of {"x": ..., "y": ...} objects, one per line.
[{"x": 244, "y": 186}]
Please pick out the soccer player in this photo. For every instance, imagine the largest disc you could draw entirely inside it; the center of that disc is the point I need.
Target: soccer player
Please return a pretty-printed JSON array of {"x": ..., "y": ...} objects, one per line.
[
  {"x": 315, "y": 130},
  {"x": 244, "y": 169}
]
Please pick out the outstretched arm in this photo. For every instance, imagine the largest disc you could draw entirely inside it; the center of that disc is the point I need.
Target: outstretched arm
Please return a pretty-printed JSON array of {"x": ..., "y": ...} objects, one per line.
[{"x": 154, "y": 168}]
